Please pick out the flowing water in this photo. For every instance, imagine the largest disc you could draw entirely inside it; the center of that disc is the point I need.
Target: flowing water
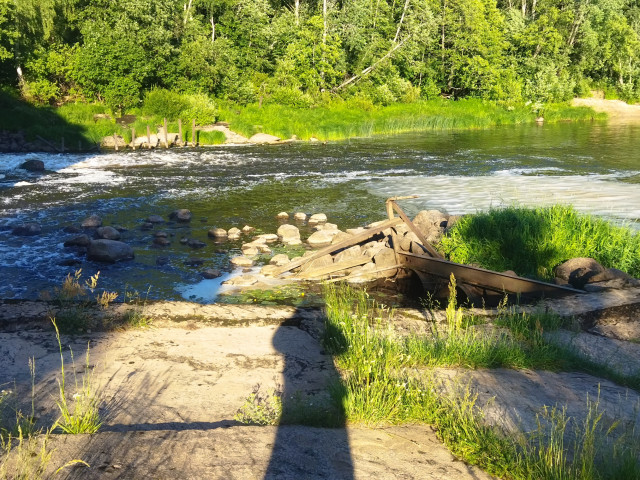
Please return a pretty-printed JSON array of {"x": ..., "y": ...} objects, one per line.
[{"x": 594, "y": 167}]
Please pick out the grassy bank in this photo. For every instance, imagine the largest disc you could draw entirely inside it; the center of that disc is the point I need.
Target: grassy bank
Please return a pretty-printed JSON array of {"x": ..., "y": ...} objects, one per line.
[
  {"x": 343, "y": 120},
  {"x": 533, "y": 241},
  {"x": 83, "y": 125},
  {"x": 378, "y": 370}
]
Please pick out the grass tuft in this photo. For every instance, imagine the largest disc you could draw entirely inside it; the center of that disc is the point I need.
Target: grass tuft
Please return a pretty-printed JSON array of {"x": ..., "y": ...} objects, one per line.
[{"x": 80, "y": 414}]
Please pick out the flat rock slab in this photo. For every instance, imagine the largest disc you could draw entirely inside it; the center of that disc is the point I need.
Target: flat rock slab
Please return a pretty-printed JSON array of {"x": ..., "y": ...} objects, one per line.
[
  {"x": 620, "y": 356},
  {"x": 153, "y": 378},
  {"x": 169, "y": 396},
  {"x": 17, "y": 314},
  {"x": 511, "y": 399},
  {"x": 614, "y": 313},
  {"x": 282, "y": 453}
]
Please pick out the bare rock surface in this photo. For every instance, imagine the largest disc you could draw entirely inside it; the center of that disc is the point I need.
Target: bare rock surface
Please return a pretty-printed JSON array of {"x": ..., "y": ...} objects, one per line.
[
  {"x": 170, "y": 394},
  {"x": 620, "y": 356},
  {"x": 511, "y": 399},
  {"x": 613, "y": 313}
]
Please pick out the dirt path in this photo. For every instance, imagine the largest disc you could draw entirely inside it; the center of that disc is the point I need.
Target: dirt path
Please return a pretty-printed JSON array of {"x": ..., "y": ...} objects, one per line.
[{"x": 618, "y": 111}]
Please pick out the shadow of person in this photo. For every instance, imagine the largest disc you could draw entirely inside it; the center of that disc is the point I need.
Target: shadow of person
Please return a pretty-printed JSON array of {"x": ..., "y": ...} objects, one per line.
[{"x": 311, "y": 441}]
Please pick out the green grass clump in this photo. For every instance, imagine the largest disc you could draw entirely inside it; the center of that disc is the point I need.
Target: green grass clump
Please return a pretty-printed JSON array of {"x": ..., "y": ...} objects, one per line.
[
  {"x": 211, "y": 138},
  {"x": 533, "y": 241},
  {"x": 81, "y": 413},
  {"x": 380, "y": 387}
]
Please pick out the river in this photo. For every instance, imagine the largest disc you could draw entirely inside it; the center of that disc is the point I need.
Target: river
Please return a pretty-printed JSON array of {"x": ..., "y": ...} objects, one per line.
[{"x": 596, "y": 168}]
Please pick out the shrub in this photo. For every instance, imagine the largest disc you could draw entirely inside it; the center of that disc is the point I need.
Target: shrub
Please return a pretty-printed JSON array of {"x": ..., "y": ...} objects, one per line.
[{"x": 164, "y": 103}]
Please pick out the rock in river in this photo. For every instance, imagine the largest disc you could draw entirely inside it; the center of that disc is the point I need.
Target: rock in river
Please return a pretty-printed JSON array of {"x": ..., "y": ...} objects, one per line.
[
  {"x": 33, "y": 165},
  {"x": 108, "y": 233},
  {"x": 182, "y": 215},
  {"x": 27, "y": 229},
  {"x": 110, "y": 251},
  {"x": 94, "y": 221}
]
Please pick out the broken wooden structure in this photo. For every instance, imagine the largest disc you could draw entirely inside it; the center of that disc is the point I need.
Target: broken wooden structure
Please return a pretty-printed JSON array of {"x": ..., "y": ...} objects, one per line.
[{"x": 431, "y": 268}]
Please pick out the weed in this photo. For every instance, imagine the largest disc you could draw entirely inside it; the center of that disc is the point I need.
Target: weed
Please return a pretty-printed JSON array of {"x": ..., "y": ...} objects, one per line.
[
  {"x": 24, "y": 457},
  {"x": 83, "y": 415},
  {"x": 261, "y": 408}
]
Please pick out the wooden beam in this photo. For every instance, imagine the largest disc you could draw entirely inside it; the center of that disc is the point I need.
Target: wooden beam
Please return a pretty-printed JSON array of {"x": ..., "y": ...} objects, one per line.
[
  {"x": 348, "y": 242},
  {"x": 336, "y": 267}
]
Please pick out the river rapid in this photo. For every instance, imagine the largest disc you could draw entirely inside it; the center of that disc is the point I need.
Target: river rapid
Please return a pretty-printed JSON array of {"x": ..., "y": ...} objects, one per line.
[{"x": 596, "y": 168}]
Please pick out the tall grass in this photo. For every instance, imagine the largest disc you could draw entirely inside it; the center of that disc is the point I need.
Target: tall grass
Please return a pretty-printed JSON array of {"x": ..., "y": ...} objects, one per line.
[
  {"x": 341, "y": 120},
  {"x": 80, "y": 414},
  {"x": 533, "y": 241},
  {"x": 381, "y": 387}
]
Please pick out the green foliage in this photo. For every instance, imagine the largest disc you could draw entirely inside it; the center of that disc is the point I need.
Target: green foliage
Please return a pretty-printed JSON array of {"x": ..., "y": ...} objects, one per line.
[{"x": 532, "y": 242}]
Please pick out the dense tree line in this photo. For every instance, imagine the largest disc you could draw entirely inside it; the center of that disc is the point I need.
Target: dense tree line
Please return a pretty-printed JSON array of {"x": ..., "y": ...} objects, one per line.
[{"x": 297, "y": 51}]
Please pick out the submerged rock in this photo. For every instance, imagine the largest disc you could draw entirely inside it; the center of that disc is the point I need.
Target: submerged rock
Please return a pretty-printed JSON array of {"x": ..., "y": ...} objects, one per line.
[
  {"x": 181, "y": 215},
  {"x": 27, "y": 229},
  {"x": 109, "y": 251},
  {"x": 93, "y": 221},
  {"x": 33, "y": 165},
  {"x": 155, "y": 219}
]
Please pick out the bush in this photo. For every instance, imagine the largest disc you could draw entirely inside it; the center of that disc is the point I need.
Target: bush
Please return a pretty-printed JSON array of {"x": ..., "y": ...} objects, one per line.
[
  {"x": 41, "y": 92},
  {"x": 532, "y": 242},
  {"x": 201, "y": 109},
  {"x": 164, "y": 103}
]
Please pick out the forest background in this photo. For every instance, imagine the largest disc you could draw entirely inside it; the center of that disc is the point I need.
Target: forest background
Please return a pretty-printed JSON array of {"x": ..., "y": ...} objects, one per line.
[{"x": 306, "y": 53}]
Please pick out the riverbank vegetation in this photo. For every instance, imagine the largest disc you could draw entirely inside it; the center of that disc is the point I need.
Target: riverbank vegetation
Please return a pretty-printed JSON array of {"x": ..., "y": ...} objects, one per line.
[
  {"x": 533, "y": 241},
  {"x": 305, "y": 61},
  {"x": 386, "y": 381}
]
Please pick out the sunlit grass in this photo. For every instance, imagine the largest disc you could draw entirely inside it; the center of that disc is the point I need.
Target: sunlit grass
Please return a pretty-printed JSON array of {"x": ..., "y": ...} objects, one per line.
[
  {"x": 533, "y": 241},
  {"x": 341, "y": 120}
]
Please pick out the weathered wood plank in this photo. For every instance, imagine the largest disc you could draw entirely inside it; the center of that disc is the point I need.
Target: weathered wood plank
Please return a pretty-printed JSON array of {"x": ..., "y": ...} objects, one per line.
[
  {"x": 348, "y": 242},
  {"x": 336, "y": 267}
]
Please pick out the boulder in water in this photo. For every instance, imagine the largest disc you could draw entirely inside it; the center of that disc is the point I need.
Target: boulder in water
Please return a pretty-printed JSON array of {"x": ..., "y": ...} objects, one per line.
[
  {"x": 94, "y": 221},
  {"x": 108, "y": 233},
  {"x": 79, "y": 241},
  {"x": 33, "y": 165},
  {"x": 181, "y": 215},
  {"x": 27, "y": 229},
  {"x": 109, "y": 251}
]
